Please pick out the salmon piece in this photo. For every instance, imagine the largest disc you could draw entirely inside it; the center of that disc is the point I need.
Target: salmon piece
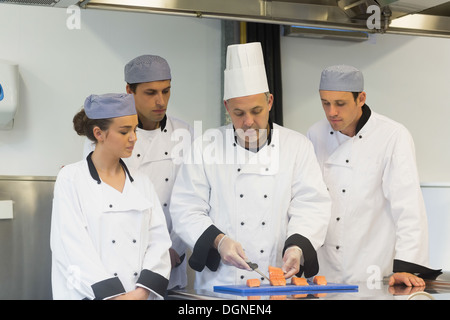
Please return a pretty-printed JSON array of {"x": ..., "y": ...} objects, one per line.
[
  {"x": 253, "y": 283},
  {"x": 299, "y": 281},
  {"x": 278, "y": 297},
  {"x": 299, "y": 295},
  {"x": 276, "y": 276},
  {"x": 320, "y": 280}
]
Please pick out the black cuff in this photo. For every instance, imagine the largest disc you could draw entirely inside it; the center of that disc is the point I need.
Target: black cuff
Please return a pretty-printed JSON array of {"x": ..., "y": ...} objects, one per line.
[
  {"x": 311, "y": 264},
  {"x": 107, "y": 288},
  {"x": 154, "y": 281},
  {"x": 423, "y": 272},
  {"x": 204, "y": 253}
]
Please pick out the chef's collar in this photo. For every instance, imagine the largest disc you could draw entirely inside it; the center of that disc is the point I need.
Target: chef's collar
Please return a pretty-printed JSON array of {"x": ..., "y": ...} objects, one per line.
[
  {"x": 269, "y": 138},
  {"x": 94, "y": 173},
  {"x": 364, "y": 118},
  {"x": 162, "y": 123}
]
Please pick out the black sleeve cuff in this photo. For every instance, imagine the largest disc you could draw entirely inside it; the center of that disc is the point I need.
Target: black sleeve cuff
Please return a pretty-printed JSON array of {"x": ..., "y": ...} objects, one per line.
[
  {"x": 311, "y": 264},
  {"x": 423, "y": 272},
  {"x": 204, "y": 253},
  {"x": 153, "y": 281},
  {"x": 107, "y": 288}
]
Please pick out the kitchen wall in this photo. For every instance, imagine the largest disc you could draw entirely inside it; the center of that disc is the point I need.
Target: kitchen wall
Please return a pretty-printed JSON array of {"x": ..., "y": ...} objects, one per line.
[{"x": 59, "y": 67}]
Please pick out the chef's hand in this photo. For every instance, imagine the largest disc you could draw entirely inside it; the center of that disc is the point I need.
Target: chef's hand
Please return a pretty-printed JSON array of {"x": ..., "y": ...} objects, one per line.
[
  {"x": 231, "y": 252},
  {"x": 407, "y": 279},
  {"x": 174, "y": 258},
  {"x": 137, "y": 294},
  {"x": 291, "y": 260}
]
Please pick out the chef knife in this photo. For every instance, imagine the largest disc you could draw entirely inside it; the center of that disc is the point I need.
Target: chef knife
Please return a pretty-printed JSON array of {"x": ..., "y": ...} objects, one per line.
[{"x": 254, "y": 267}]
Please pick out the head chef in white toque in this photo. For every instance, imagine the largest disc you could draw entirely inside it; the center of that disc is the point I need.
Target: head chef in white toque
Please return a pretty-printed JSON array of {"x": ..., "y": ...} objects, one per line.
[
  {"x": 245, "y": 73},
  {"x": 246, "y": 94}
]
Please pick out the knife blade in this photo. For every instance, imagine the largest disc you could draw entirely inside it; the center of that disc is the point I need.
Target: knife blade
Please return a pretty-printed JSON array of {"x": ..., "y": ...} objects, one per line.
[{"x": 254, "y": 267}]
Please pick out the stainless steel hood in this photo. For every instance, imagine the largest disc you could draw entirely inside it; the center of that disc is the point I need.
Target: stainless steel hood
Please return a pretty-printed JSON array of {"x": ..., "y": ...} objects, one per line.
[{"x": 421, "y": 17}]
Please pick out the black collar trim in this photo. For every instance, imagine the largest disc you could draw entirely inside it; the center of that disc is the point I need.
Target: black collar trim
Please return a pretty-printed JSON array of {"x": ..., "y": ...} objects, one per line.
[
  {"x": 94, "y": 173},
  {"x": 162, "y": 123},
  {"x": 269, "y": 139},
  {"x": 366, "y": 112}
]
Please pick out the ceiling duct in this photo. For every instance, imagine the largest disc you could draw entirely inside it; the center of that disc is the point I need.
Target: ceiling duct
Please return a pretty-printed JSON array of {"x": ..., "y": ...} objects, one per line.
[{"x": 48, "y": 3}]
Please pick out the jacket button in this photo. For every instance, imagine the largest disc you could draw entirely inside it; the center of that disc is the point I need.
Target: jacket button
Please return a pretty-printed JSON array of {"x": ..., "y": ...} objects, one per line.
[
  {"x": 135, "y": 274},
  {"x": 265, "y": 196},
  {"x": 134, "y": 240},
  {"x": 338, "y": 218},
  {"x": 166, "y": 153},
  {"x": 262, "y": 251},
  {"x": 343, "y": 190},
  {"x": 234, "y": 144},
  {"x": 115, "y": 274},
  {"x": 263, "y": 223},
  {"x": 242, "y": 223},
  {"x": 114, "y": 241},
  {"x": 138, "y": 155},
  {"x": 241, "y": 195},
  {"x": 165, "y": 204},
  {"x": 360, "y": 136},
  {"x": 347, "y": 161},
  {"x": 167, "y": 179},
  {"x": 331, "y": 132},
  {"x": 110, "y": 205},
  {"x": 242, "y": 277},
  {"x": 337, "y": 247},
  {"x": 239, "y": 169},
  {"x": 165, "y": 130}
]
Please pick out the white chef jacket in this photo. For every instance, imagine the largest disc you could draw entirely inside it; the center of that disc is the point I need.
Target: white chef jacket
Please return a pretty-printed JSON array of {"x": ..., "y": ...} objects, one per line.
[
  {"x": 266, "y": 201},
  {"x": 105, "y": 242},
  {"x": 378, "y": 213},
  {"x": 158, "y": 154}
]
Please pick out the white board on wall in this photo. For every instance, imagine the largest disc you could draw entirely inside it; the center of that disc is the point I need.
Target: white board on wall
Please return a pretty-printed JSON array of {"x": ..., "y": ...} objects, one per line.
[{"x": 437, "y": 202}]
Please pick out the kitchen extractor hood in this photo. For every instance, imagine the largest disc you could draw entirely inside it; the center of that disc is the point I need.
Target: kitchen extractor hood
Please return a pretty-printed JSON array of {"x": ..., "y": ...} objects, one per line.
[
  {"x": 421, "y": 17},
  {"x": 48, "y": 3}
]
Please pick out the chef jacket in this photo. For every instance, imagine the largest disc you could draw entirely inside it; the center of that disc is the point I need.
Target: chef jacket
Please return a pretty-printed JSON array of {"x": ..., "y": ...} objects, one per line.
[
  {"x": 105, "y": 242},
  {"x": 378, "y": 213},
  {"x": 266, "y": 200},
  {"x": 158, "y": 154}
]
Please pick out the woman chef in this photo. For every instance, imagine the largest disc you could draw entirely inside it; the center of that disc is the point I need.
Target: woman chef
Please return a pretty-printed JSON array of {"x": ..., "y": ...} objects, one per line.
[
  {"x": 109, "y": 237},
  {"x": 378, "y": 220},
  {"x": 149, "y": 78},
  {"x": 252, "y": 190}
]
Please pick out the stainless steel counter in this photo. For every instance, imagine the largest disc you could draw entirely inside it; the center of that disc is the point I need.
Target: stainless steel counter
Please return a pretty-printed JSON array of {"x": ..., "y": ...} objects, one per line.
[{"x": 438, "y": 289}]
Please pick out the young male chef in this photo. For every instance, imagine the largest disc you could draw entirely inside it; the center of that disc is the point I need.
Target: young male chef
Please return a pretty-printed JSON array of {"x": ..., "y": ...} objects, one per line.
[
  {"x": 251, "y": 190},
  {"x": 378, "y": 221},
  {"x": 148, "y": 78}
]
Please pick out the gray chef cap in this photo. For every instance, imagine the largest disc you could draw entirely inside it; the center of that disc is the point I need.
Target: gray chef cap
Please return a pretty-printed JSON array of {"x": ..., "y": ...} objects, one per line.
[
  {"x": 342, "y": 78},
  {"x": 147, "y": 68},
  {"x": 110, "y": 105}
]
